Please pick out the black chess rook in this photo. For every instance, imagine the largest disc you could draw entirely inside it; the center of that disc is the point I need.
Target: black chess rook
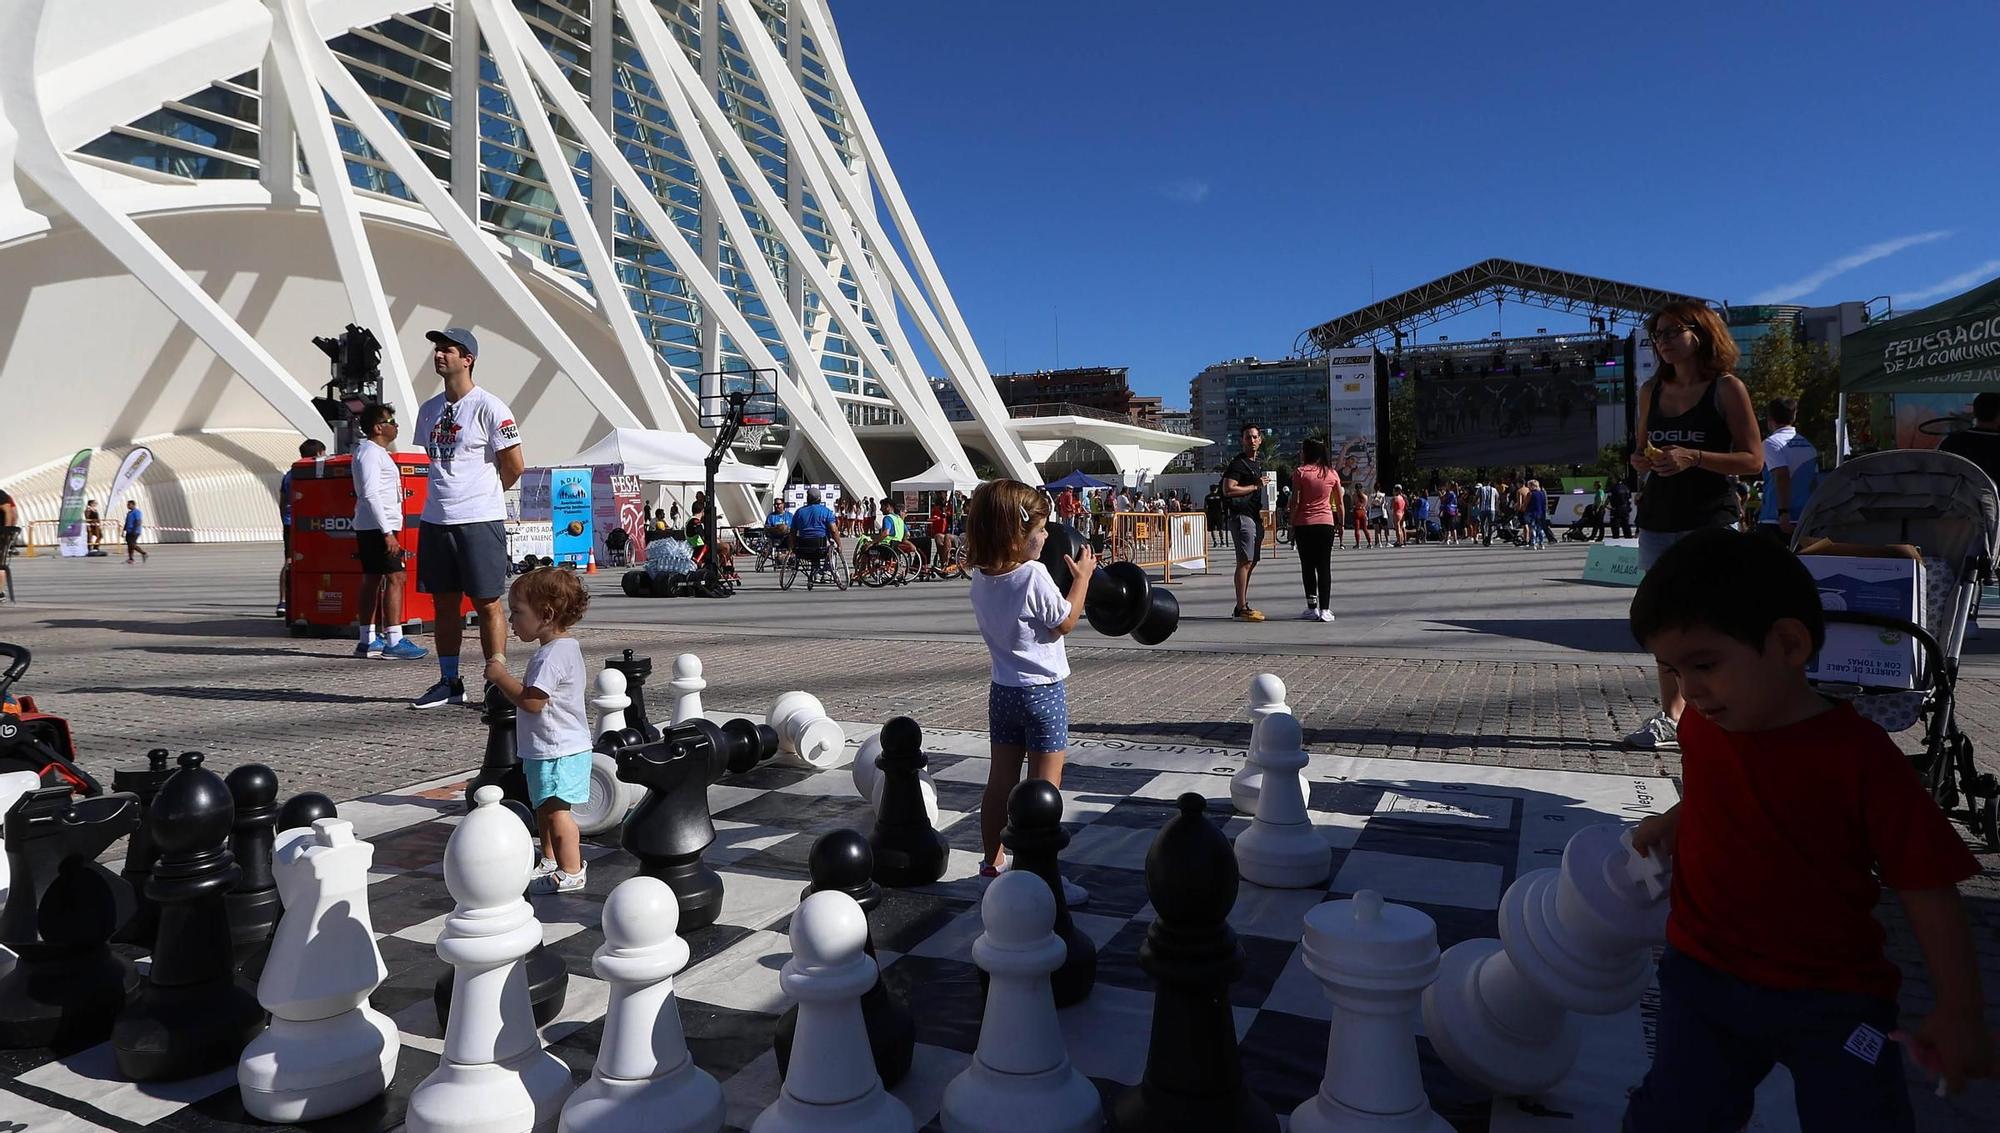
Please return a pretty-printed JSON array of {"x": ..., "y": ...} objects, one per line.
[
  {"x": 636, "y": 670},
  {"x": 909, "y": 851},
  {"x": 144, "y": 782},
  {"x": 66, "y": 986},
  {"x": 1034, "y": 838},
  {"x": 1193, "y": 1081},
  {"x": 671, "y": 828},
  {"x": 842, "y": 860}
]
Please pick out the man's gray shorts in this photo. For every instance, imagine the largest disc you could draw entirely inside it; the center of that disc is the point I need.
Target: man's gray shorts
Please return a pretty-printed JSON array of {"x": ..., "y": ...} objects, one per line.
[
  {"x": 462, "y": 558},
  {"x": 1248, "y": 533}
]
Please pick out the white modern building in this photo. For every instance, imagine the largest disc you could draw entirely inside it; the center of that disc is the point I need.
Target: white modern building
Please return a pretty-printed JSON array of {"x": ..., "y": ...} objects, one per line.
[{"x": 617, "y": 195}]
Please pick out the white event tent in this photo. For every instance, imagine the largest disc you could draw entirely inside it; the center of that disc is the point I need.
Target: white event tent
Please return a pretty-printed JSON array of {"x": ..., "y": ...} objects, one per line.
[{"x": 664, "y": 457}]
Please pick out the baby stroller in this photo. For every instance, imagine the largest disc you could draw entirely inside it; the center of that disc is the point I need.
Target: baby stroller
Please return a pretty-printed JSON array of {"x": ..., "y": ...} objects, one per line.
[
  {"x": 1584, "y": 530},
  {"x": 1950, "y": 511}
]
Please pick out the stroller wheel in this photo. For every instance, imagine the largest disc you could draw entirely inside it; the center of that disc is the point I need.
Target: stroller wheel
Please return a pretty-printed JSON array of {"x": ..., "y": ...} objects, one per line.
[{"x": 1986, "y": 817}]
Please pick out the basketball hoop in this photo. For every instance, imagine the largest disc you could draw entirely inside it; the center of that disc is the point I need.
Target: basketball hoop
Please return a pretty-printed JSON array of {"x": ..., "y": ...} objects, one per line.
[{"x": 754, "y": 430}]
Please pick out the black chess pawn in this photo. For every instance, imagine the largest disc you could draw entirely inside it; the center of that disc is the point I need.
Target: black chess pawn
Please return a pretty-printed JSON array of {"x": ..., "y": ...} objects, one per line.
[
  {"x": 670, "y": 828},
  {"x": 636, "y": 670},
  {"x": 66, "y": 986},
  {"x": 1034, "y": 837},
  {"x": 253, "y": 902},
  {"x": 1194, "y": 1074},
  {"x": 548, "y": 976},
  {"x": 842, "y": 860},
  {"x": 304, "y": 809},
  {"x": 192, "y": 1015},
  {"x": 909, "y": 851},
  {"x": 143, "y": 782},
  {"x": 501, "y": 764}
]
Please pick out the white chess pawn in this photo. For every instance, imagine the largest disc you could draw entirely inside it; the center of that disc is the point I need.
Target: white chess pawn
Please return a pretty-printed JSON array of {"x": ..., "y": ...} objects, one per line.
[
  {"x": 494, "y": 1076},
  {"x": 686, "y": 686},
  {"x": 609, "y": 698},
  {"x": 326, "y": 1050},
  {"x": 1281, "y": 850},
  {"x": 1375, "y": 960},
  {"x": 644, "y": 1081},
  {"x": 832, "y": 1086},
  {"x": 610, "y": 798},
  {"x": 1579, "y": 938},
  {"x": 1267, "y": 699},
  {"x": 806, "y": 735},
  {"x": 868, "y": 778},
  {"x": 1021, "y": 1077}
]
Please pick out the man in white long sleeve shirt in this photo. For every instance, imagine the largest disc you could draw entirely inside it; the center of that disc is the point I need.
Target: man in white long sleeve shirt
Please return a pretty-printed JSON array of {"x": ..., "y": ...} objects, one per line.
[{"x": 378, "y": 517}]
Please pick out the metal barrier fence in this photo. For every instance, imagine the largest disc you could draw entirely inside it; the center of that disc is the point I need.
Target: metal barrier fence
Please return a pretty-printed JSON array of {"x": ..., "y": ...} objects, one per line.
[{"x": 1159, "y": 542}]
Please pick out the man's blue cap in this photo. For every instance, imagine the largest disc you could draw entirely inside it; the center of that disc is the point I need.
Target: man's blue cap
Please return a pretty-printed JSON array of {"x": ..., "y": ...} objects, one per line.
[{"x": 463, "y": 338}]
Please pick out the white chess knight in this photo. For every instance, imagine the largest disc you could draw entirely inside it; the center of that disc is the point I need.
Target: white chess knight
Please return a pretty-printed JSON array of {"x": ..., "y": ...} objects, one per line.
[
  {"x": 806, "y": 734},
  {"x": 1281, "y": 850},
  {"x": 685, "y": 686},
  {"x": 644, "y": 1080},
  {"x": 326, "y": 1050},
  {"x": 1579, "y": 938},
  {"x": 610, "y": 798},
  {"x": 1021, "y": 1077},
  {"x": 494, "y": 1077},
  {"x": 832, "y": 1086},
  {"x": 1267, "y": 699},
  {"x": 868, "y": 778},
  {"x": 1375, "y": 960}
]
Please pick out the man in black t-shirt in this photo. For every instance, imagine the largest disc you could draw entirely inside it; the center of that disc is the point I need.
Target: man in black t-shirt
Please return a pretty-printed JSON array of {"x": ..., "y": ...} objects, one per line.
[
  {"x": 1981, "y": 443},
  {"x": 1243, "y": 496}
]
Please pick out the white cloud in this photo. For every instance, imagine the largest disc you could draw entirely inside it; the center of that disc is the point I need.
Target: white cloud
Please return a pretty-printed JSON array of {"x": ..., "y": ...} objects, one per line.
[
  {"x": 1957, "y": 283},
  {"x": 1800, "y": 288},
  {"x": 1187, "y": 191}
]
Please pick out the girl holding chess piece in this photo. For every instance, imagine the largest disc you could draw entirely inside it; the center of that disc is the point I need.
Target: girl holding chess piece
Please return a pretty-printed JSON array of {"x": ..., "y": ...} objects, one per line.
[
  {"x": 552, "y": 731},
  {"x": 1023, "y": 618}
]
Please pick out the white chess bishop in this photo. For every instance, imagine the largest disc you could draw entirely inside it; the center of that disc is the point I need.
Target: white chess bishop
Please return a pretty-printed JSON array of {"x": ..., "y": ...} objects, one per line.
[
  {"x": 326, "y": 1050},
  {"x": 644, "y": 1080},
  {"x": 1281, "y": 850},
  {"x": 494, "y": 1077},
  {"x": 1021, "y": 1077},
  {"x": 685, "y": 686},
  {"x": 1575, "y": 939},
  {"x": 1267, "y": 699},
  {"x": 868, "y": 778},
  {"x": 832, "y": 1086},
  {"x": 807, "y": 736}
]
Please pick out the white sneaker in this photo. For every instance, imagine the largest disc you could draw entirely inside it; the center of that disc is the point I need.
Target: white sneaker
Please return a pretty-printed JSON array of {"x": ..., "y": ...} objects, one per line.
[
  {"x": 1074, "y": 895},
  {"x": 556, "y": 881},
  {"x": 544, "y": 867},
  {"x": 1658, "y": 733},
  {"x": 1311, "y": 614},
  {"x": 1326, "y": 615}
]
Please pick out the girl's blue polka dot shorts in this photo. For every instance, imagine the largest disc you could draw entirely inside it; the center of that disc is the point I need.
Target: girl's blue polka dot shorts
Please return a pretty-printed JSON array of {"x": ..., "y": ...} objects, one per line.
[{"x": 1034, "y": 716}]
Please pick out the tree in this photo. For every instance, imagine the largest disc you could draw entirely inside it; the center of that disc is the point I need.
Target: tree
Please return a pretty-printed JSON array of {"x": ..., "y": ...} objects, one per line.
[
  {"x": 1398, "y": 455},
  {"x": 1779, "y": 366}
]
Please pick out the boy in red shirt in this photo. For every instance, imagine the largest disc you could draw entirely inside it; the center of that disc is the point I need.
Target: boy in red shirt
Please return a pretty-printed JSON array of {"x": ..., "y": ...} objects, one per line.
[{"x": 1792, "y": 805}]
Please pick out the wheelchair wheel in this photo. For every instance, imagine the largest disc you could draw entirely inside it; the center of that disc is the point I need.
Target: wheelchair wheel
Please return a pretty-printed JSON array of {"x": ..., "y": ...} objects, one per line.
[
  {"x": 836, "y": 572},
  {"x": 788, "y": 572},
  {"x": 868, "y": 569}
]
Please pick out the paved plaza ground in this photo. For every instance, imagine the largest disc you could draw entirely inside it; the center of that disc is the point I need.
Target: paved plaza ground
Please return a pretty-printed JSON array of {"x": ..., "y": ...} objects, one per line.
[{"x": 1458, "y": 655}]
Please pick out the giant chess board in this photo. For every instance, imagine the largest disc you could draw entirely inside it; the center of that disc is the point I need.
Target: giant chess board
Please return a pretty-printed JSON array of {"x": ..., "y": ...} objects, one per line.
[{"x": 1443, "y": 838}]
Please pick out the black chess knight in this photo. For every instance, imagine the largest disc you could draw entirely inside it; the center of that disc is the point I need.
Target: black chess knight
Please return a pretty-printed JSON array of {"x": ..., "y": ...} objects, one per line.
[{"x": 670, "y": 829}]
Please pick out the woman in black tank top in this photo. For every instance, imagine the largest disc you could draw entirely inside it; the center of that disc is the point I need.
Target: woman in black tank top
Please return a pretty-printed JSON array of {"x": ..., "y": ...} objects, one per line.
[{"x": 1697, "y": 429}]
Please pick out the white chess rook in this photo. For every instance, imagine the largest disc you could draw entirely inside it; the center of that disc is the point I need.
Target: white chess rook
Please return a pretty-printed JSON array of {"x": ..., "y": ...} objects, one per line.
[
  {"x": 806, "y": 735},
  {"x": 1578, "y": 938},
  {"x": 868, "y": 778},
  {"x": 832, "y": 1086},
  {"x": 494, "y": 1077},
  {"x": 1020, "y": 1077},
  {"x": 1281, "y": 850},
  {"x": 1375, "y": 960},
  {"x": 644, "y": 1080},
  {"x": 326, "y": 1050},
  {"x": 1267, "y": 699},
  {"x": 686, "y": 686}
]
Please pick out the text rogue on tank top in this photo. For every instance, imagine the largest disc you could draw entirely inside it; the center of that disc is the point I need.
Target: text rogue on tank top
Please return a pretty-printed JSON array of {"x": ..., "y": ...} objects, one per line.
[{"x": 1696, "y": 497}]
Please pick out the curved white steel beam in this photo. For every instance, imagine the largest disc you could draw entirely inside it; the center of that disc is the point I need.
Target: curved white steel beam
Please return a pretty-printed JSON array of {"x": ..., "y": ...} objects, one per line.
[{"x": 38, "y": 158}]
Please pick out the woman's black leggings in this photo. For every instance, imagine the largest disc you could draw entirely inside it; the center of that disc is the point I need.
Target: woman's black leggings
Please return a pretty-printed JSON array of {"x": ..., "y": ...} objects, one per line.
[{"x": 1314, "y": 543}]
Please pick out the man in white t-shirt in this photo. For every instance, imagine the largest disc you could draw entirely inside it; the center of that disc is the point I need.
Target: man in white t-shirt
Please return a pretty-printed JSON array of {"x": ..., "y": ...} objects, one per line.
[
  {"x": 475, "y": 451},
  {"x": 1791, "y": 470},
  {"x": 378, "y": 518}
]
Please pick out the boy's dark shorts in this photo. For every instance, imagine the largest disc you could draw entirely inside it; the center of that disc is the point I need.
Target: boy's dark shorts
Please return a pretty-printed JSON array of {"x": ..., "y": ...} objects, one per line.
[
  {"x": 372, "y": 548},
  {"x": 1719, "y": 1036},
  {"x": 1247, "y": 532},
  {"x": 462, "y": 558}
]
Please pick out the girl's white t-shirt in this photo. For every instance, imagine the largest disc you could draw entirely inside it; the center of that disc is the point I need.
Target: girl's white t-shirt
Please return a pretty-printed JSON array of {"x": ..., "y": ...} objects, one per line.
[
  {"x": 560, "y": 728},
  {"x": 1017, "y": 614}
]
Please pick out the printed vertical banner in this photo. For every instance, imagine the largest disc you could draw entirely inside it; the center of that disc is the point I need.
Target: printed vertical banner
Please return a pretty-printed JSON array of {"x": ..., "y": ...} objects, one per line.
[
  {"x": 69, "y": 528},
  {"x": 135, "y": 465},
  {"x": 569, "y": 515},
  {"x": 1350, "y": 437}
]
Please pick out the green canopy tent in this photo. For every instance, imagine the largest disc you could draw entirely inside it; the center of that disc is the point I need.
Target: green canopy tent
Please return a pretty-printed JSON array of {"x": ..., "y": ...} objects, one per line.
[{"x": 1947, "y": 347}]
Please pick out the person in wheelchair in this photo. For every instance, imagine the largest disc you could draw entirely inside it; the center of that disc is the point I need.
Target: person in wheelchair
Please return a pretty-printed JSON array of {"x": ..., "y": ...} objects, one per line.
[
  {"x": 813, "y": 531},
  {"x": 894, "y": 534}
]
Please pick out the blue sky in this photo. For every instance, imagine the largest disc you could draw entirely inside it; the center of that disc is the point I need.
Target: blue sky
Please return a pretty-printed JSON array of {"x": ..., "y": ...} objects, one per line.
[{"x": 1176, "y": 183}]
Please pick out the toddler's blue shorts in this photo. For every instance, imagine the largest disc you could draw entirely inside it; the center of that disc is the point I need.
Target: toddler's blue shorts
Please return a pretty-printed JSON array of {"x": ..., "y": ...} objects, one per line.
[{"x": 566, "y": 777}]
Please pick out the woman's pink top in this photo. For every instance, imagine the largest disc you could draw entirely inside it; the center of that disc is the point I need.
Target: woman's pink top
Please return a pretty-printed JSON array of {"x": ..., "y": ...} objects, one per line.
[{"x": 1313, "y": 489}]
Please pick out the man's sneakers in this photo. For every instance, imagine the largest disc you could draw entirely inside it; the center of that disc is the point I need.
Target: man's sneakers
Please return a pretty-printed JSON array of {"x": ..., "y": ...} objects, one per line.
[
  {"x": 403, "y": 650},
  {"x": 1246, "y": 614},
  {"x": 371, "y": 648},
  {"x": 1326, "y": 615},
  {"x": 556, "y": 881},
  {"x": 1311, "y": 614},
  {"x": 442, "y": 693},
  {"x": 1658, "y": 733}
]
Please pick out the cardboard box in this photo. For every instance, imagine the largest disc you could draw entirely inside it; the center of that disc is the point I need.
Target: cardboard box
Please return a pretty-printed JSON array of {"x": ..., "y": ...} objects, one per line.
[{"x": 1866, "y": 655}]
